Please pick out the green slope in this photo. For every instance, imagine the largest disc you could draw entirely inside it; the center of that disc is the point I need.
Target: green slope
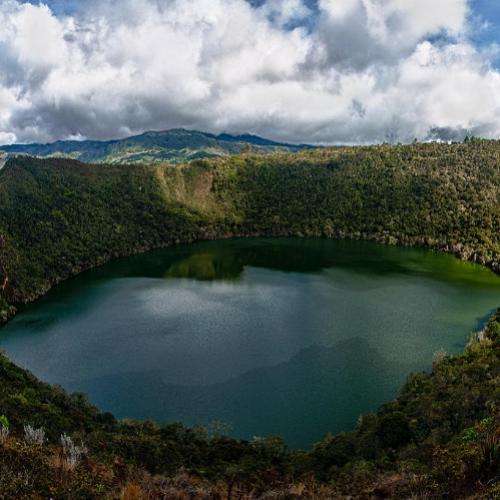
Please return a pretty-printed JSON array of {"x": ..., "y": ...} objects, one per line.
[{"x": 59, "y": 216}]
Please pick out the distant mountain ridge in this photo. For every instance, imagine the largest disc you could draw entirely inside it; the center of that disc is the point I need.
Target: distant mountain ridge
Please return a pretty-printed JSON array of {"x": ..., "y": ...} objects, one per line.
[{"x": 174, "y": 146}]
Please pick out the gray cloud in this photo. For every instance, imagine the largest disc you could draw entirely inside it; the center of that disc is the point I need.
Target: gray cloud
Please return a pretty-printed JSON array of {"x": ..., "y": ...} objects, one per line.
[{"x": 369, "y": 71}]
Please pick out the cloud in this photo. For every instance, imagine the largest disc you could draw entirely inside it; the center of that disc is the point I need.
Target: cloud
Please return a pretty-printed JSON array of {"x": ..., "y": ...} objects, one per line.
[
  {"x": 360, "y": 71},
  {"x": 358, "y": 33}
]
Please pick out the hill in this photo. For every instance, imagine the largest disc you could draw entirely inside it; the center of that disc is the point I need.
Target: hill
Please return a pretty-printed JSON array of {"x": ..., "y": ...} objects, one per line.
[
  {"x": 173, "y": 146},
  {"x": 439, "y": 439}
]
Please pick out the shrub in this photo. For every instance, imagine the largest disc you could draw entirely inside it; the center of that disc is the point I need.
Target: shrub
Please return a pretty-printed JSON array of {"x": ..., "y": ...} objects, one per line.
[
  {"x": 72, "y": 453},
  {"x": 393, "y": 429},
  {"x": 438, "y": 358},
  {"x": 34, "y": 436},
  {"x": 4, "y": 421},
  {"x": 4, "y": 433}
]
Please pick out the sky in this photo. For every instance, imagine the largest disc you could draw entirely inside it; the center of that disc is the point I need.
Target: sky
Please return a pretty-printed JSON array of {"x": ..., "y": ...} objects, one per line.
[{"x": 305, "y": 71}]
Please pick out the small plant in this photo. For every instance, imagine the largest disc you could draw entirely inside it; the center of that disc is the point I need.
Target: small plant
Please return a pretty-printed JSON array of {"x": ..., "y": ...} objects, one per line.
[
  {"x": 439, "y": 357},
  {"x": 72, "y": 454},
  {"x": 34, "y": 436},
  {"x": 4, "y": 428},
  {"x": 470, "y": 435},
  {"x": 4, "y": 434},
  {"x": 489, "y": 442}
]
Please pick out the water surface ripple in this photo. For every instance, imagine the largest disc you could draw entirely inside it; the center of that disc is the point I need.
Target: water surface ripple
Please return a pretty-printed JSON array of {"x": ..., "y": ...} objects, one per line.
[{"x": 284, "y": 336}]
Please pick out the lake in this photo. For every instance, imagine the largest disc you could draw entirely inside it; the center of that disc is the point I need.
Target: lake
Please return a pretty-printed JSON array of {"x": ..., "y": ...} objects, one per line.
[{"x": 296, "y": 337}]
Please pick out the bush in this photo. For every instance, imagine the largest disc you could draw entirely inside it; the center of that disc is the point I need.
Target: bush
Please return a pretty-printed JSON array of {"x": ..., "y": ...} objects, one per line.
[{"x": 34, "y": 436}]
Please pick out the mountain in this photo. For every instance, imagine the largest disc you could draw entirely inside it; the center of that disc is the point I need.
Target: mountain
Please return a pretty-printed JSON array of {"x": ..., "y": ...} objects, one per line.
[{"x": 173, "y": 146}]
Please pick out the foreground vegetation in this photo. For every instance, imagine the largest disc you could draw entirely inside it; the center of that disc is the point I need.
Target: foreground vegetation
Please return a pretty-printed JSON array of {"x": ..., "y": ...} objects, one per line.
[{"x": 440, "y": 438}]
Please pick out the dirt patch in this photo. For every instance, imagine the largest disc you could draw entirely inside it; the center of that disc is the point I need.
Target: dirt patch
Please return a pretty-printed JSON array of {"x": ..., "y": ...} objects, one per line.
[{"x": 190, "y": 186}]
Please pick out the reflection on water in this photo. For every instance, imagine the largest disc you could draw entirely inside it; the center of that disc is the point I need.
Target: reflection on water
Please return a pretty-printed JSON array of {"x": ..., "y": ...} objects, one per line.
[
  {"x": 296, "y": 337},
  {"x": 226, "y": 262},
  {"x": 266, "y": 399}
]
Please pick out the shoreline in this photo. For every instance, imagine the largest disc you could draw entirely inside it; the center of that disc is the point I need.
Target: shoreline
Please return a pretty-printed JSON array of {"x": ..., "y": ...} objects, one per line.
[
  {"x": 474, "y": 334},
  {"x": 457, "y": 251}
]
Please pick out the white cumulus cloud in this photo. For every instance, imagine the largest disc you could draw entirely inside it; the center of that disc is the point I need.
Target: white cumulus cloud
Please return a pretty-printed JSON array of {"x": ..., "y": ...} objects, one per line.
[{"x": 353, "y": 71}]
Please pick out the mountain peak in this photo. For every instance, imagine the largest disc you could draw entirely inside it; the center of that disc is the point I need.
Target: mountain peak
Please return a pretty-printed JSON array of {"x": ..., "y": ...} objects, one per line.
[{"x": 175, "y": 146}]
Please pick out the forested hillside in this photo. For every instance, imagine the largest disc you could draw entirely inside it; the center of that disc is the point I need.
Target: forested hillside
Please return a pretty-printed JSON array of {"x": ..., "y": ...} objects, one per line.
[
  {"x": 439, "y": 439},
  {"x": 58, "y": 217}
]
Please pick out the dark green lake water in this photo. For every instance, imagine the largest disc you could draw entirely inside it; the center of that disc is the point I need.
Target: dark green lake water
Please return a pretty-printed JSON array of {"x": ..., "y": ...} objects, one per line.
[{"x": 290, "y": 337}]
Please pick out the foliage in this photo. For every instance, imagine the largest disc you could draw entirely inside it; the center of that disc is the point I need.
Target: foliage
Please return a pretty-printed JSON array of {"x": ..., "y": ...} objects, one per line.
[{"x": 4, "y": 421}]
